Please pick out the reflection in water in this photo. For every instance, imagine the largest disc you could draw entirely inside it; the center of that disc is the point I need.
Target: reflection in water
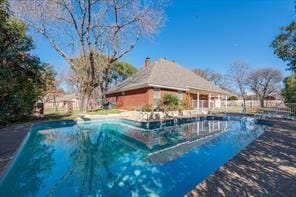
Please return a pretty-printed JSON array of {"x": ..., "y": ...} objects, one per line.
[
  {"x": 112, "y": 158},
  {"x": 91, "y": 161},
  {"x": 169, "y": 136},
  {"x": 26, "y": 178}
]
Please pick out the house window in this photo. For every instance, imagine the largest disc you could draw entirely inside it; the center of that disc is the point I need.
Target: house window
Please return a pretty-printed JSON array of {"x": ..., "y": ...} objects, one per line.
[
  {"x": 180, "y": 95},
  {"x": 156, "y": 97}
]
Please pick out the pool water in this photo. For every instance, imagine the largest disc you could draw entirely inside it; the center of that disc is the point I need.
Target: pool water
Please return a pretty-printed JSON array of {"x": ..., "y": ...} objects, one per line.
[{"x": 111, "y": 158}]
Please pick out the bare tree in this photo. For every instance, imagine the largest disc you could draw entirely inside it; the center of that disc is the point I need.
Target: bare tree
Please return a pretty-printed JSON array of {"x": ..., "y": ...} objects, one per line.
[
  {"x": 204, "y": 73},
  {"x": 264, "y": 82},
  {"x": 52, "y": 93},
  {"x": 238, "y": 75},
  {"x": 77, "y": 76},
  {"x": 217, "y": 79},
  {"x": 86, "y": 27}
]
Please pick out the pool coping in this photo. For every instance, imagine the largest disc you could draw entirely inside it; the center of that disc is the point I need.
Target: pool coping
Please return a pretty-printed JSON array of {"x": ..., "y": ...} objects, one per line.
[
  {"x": 10, "y": 163},
  {"x": 18, "y": 147},
  {"x": 5, "y": 168}
]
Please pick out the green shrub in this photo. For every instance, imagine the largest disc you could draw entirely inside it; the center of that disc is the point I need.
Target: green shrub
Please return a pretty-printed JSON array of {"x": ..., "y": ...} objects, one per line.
[
  {"x": 233, "y": 98},
  {"x": 181, "y": 107},
  {"x": 147, "y": 108},
  {"x": 169, "y": 102}
]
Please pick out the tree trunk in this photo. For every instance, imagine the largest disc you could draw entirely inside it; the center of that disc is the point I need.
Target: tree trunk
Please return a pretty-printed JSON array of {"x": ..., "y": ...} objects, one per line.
[
  {"x": 85, "y": 98},
  {"x": 244, "y": 110},
  {"x": 244, "y": 102},
  {"x": 261, "y": 102},
  {"x": 105, "y": 82},
  {"x": 83, "y": 103},
  {"x": 55, "y": 103},
  {"x": 89, "y": 94},
  {"x": 102, "y": 89}
]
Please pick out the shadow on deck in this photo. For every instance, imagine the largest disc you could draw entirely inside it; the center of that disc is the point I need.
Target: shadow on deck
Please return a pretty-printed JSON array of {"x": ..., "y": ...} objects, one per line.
[{"x": 266, "y": 168}]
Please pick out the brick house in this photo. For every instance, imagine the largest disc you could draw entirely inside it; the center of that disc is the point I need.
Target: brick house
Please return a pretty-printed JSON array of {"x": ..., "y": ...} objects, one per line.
[{"x": 166, "y": 77}]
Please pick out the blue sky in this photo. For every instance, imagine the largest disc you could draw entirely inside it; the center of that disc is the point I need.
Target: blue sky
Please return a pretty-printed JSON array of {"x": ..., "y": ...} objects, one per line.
[{"x": 208, "y": 34}]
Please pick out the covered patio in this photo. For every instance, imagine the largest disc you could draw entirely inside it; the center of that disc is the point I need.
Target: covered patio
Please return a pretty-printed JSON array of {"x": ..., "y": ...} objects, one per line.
[{"x": 201, "y": 99}]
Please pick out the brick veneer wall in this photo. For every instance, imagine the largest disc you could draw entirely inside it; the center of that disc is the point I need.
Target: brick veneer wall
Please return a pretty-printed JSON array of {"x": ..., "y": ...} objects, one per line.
[
  {"x": 137, "y": 99},
  {"x": 131, "y": 100}
]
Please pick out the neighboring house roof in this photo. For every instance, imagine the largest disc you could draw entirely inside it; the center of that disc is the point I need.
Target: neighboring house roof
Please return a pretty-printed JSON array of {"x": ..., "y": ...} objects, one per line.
[
  {"x": 66, "y": 97},
  {"x": 166, "y": 74}
]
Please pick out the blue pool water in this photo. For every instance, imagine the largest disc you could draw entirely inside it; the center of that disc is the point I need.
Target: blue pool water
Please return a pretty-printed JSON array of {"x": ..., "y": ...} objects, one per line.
[{"x": 112, "y": 158}]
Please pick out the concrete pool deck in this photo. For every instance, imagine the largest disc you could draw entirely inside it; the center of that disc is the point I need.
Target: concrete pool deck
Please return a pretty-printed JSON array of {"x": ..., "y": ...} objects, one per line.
[
  {"x": 265, "y": 168},
  {"x": 11, "y": 138}
]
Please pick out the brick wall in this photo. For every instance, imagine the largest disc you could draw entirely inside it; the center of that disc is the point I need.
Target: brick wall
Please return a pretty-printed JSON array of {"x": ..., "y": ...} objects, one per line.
[
  {"x": 137, "y": 99},
  {"x": 131, "y": 100}
]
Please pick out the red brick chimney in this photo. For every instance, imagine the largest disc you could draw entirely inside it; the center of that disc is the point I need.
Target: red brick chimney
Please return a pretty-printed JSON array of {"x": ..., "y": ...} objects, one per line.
[{"x": 147, "y": 61}]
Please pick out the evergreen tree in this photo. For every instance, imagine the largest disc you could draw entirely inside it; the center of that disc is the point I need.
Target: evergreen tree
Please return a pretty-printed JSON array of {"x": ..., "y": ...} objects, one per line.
[
  {"x": 285, "y": 46},
  {"x": 289, "y": 91},
  {"x": 23, "y": 77}
]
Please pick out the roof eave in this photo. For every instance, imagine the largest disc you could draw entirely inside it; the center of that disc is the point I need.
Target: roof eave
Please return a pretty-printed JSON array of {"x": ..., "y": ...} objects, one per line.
[
  {"x": 215, "y": 91},
  {"x": 167, "y": 87},
  {"x": 127, "y": 89}
]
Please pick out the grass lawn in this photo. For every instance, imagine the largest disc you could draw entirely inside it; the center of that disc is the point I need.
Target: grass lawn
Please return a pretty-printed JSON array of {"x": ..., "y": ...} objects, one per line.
[
  {"x": 105, "y": 112},
  {"x": 52, "y": 114},
  {"x": 63, "y": 115}
]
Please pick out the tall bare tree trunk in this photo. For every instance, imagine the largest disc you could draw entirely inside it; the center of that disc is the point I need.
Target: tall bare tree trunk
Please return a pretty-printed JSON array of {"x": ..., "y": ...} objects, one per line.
[
  {"x": 82, "y": 107},
  {"x": 89, "y": 94},
  {"x": 90, "y": 85},
  {"x": 244, "y": 102},
  {"x": 261, "y": 102},
  {"x": 55, "y": 103},
  {"x": 85, "y": 96},
  {"x": 84, "y": 101},
  {"x": 103, "y": 91}
]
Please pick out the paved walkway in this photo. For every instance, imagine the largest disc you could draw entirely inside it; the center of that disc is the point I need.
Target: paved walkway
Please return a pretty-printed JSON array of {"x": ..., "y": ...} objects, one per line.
[
  {"x": 10, "y": 140},
  {"x": 267, "y": 167}
]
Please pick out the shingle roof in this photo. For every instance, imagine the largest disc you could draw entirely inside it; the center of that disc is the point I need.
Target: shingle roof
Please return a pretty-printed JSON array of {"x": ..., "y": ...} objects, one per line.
[{"x": 168, "y": 74}]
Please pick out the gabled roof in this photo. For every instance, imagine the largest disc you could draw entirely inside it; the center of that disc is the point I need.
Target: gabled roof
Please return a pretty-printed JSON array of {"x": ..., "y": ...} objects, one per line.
[{"x": 167, "y": 74}]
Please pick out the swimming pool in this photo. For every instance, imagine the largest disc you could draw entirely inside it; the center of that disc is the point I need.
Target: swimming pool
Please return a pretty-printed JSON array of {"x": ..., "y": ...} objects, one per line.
[{"x": 117, "y": 158}]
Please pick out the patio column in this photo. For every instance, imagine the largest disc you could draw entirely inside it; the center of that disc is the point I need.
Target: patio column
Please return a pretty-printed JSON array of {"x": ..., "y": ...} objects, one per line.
[
  {"x": 219, "y": 101},
  {"x": 226, "y": 101},
  {"x": 209, "y": 101},
  {"x": 197, "y": 100}
]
